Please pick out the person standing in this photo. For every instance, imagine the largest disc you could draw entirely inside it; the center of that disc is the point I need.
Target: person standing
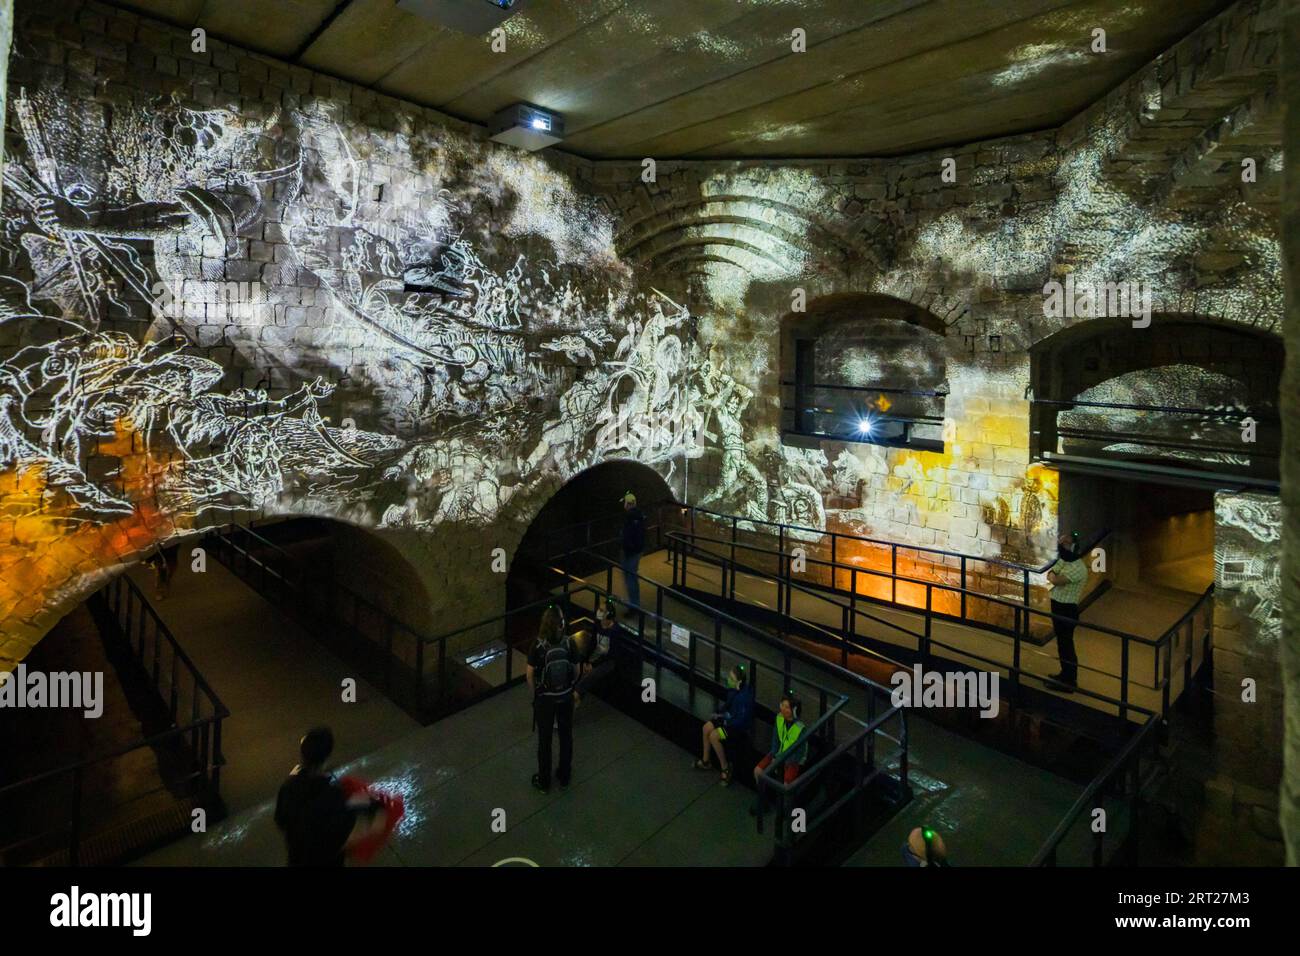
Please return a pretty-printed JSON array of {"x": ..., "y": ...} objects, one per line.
[
  {"x": 319, "y": 821},
  {"x": 553, "y": 676},
  {"x": 633, "y": 544},
  {"x": 1068, "y": 577}
]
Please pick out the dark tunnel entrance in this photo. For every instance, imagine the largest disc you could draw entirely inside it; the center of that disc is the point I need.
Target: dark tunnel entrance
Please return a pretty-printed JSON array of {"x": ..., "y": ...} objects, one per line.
[{"x": 585, "y": 513}]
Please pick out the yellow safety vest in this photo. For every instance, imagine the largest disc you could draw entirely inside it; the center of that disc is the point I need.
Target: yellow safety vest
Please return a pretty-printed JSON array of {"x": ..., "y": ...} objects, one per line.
[{"x": 787, "y": 733}]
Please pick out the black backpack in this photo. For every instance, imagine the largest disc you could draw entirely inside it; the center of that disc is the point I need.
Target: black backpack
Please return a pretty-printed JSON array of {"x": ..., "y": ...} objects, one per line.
[{"x": 559, "y": 673}]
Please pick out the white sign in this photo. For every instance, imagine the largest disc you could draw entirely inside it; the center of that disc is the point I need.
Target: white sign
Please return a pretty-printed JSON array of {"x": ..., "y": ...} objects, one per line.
[{"x": 680, "y": 635}]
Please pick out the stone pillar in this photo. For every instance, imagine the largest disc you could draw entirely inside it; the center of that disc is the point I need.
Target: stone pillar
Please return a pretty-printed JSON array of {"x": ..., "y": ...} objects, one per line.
[{"x": 1289, "y": 796}]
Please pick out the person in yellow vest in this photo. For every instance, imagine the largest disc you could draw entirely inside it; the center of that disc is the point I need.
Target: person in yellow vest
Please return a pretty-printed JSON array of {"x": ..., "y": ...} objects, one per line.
[{"x": 787, "y": 730}]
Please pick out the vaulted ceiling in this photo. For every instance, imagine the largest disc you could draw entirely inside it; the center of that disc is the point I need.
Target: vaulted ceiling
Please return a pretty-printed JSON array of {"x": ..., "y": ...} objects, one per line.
[{"x": 717, "y": 78}]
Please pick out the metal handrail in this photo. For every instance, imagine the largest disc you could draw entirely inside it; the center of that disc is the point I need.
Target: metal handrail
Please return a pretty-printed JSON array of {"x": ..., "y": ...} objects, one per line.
[
  {"x": 204, "y": 731},
  {"x": 289, "y": 558},
  {"x": 1131, "y": 752},
  {"x": 874, "y": 725},
  {"x": 1172, "y": 409},
  {"x": 138, "y": 744},
  {"x": 553, "y": 532},
  {"x": 709, "y": 611},
  {"x": 892, "y": 544},
  {"x": 926, "y": 642},
  {"x": 1153, "y": 441},
  {"x": 199, "y": 680},
  {"x": 855, "y": 742},
  {"x": 853, "y": 568},
  {"x": 829, "y": 708},
  {"x": 293, "y": 577},
  {"x": 679, "y": 537}
]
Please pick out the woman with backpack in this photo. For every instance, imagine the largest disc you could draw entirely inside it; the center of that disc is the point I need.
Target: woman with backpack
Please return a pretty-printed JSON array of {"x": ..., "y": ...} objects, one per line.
[{"x": 552, "y": 677}]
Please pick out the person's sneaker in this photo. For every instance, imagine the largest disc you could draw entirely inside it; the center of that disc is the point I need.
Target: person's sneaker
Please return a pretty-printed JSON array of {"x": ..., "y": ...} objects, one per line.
[
  {"x": 563, "y": 782},
  {"x": 537, "y": 784}
]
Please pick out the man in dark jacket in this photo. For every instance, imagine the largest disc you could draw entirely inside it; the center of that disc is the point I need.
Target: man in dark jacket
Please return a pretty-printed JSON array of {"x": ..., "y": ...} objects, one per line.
[
  {"x": 318, "y": 821},
  {"x": 633, "y": 544}
]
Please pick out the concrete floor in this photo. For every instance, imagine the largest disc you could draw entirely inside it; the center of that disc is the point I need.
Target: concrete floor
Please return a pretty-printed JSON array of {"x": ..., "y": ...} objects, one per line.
[
  {"x": 276, "y": 680},
  {"x": 634, "y": 800},
  {"x": 993, "y": 809}
]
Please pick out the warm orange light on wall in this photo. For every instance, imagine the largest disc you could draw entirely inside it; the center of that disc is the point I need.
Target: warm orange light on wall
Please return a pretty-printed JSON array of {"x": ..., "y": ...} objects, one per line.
[{"x": 50, "y": 553}]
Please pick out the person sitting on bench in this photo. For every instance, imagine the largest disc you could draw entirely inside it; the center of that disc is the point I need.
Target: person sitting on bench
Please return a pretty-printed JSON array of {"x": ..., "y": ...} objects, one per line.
[
  {"x": 732, "y": 723},
  {"x": 787, "y": 734}
]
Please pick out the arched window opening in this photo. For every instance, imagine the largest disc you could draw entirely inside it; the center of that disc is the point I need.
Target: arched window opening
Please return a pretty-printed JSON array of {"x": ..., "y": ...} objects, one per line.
[
  {"x": 867, "y": 369},
  {"x": 1182, "y": 396}
]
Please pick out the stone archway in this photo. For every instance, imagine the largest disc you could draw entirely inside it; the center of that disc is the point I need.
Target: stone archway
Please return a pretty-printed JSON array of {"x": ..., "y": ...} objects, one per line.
[
  {"x": 848, "y": 342},
  {"x": 586, "y": 509},
  {"x": 1176, "y": 392}
]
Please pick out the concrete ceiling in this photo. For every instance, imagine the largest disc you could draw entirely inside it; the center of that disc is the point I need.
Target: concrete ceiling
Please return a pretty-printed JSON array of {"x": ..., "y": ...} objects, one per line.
[{"x": 717, "y": 78}]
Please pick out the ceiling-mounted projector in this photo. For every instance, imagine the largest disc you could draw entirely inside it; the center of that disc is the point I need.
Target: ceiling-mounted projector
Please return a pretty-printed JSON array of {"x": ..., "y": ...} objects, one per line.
[
  {"x": 525, "y": 126},
  {"x": 475, "y": 17}
]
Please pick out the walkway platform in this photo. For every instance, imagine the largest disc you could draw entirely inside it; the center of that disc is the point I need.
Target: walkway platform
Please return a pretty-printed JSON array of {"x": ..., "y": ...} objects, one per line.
[
  {"x": 1144, "y": 614},
  {"x": 274, "y": 677},
  {"x": 635, "y": 800},
  {"x": 993, "y": 809}
]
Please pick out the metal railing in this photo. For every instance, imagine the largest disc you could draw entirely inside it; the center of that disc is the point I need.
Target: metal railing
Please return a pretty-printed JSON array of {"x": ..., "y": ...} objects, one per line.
[
  {"x": 859, "y": 740},
  {"x": 1121, "y": 781},
  {"x": 701, "y": 665},
  {"x": 193, "y": 717},
  {"x": 827, "y": 410},
  {"x": 422, "y": 673},
  {"x": 1054, "y": 440},
  {"x": 1003, "y": 577},
  {"x": 683, "y": 545},
  {"x": 969, "y": 574},
  {"x": 593, "y": 533},
  {"x": 1178, "y": 637}
]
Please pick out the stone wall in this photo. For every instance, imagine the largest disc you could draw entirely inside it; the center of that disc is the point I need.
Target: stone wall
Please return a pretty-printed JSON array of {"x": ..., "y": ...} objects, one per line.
[
  {"x": 1290, "y": 570},
  {"x": 234, "y": 287},
  {"x": 387, "y": 320},
  {"x": 975, "y": 253}
]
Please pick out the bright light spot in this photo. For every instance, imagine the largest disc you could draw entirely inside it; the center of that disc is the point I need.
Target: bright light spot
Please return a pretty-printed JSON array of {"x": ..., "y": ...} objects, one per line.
[
  {"x": 865, "y": 426},
  {"x": 540, "y": 123}
]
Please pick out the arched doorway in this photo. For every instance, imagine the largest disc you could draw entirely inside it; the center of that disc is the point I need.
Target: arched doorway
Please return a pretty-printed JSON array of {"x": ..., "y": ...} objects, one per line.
[
  {"x": 1175, "y": 396},
  {"x": 209, "y": 660},
  {"x": 587, "y": 512},
  {"x": 1146, "y": 425}
]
